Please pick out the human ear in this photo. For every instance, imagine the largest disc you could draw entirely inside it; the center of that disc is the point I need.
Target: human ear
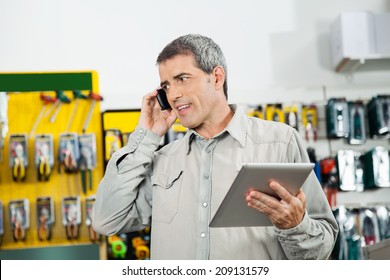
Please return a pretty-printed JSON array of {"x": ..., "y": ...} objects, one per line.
[{"x": 219, "y": 77}]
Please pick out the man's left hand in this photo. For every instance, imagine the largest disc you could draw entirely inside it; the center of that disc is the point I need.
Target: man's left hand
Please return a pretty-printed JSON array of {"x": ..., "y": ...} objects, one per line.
[{"x": 285, "y": 213}]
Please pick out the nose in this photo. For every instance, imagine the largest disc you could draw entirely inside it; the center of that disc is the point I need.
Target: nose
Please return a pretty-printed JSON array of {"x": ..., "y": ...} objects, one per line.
[{"x": 174, "y": 93}]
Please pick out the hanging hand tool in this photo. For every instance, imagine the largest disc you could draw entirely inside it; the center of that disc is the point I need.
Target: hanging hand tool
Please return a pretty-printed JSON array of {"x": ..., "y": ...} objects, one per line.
[
  {"x": 68, "y": 154},
  {"x": 94, "y": 97},
  {"x": 46, "y": 100},
  {"x": 44, "y": 230},
  {"x": 71, "y": 216},
  {"x": 17, "y": 219},
  {"x": 86, "y": 168},
  {"x": 89, "y": 204},
  {"x": 44, "y": 168},
  {"x": 19, "y": 163},
  {"x": 3, "y": 121},
  {"x": 63, "y": 99},
  {"x": 45, "y": 211},
  {"x": 87, "y": 162},
  {"x": 77, "y": 95}
]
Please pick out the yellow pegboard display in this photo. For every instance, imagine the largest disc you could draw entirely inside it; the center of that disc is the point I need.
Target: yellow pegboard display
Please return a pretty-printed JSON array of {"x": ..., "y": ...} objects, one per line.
[{"x": 24, "y": 108}]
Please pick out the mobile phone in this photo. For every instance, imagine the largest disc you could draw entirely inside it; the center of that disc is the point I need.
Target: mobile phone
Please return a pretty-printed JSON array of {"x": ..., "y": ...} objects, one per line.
[{"x": 162, "y": 99}]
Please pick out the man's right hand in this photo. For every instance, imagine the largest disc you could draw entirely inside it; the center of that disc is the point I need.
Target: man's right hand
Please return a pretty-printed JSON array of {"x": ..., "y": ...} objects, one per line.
[{"x": 153, "y": 118}]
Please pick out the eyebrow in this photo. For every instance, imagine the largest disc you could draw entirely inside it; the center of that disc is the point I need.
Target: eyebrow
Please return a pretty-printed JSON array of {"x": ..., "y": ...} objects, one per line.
[{"x": 164, "y": 83}]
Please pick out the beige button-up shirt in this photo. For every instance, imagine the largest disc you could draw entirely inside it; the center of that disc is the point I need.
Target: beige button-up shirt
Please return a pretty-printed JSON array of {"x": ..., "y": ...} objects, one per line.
[{"x": 178, "y": 189}]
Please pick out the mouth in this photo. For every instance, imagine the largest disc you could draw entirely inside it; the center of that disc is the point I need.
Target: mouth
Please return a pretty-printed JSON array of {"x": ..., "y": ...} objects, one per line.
[{"x": 180, "y": 108}]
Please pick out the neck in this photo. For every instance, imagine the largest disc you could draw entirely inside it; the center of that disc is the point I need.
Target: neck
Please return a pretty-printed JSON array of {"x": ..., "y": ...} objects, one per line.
[{"x": 217, "y": 124}]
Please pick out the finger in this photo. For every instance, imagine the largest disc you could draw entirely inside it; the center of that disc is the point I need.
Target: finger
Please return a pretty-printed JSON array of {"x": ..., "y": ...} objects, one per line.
[
  {"x": 263, "y": 200},
  {"x": 171, "y": 118},
  {"x": 280, "y": 191},
  {"x": 262, "y": 207},
  {"x": 302, "y": 197}
]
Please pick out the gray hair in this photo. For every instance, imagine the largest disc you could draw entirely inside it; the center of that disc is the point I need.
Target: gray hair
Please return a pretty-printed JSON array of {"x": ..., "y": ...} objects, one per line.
[{"x": 206, "y": 52}]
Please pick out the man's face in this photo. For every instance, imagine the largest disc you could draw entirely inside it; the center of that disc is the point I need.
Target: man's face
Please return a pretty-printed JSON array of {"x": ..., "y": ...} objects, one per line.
[{"x": 190, "y": 91}]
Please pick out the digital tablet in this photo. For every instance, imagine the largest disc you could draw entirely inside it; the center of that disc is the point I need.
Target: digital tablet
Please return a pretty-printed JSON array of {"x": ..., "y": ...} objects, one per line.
[{"x": 234, "y": 212}]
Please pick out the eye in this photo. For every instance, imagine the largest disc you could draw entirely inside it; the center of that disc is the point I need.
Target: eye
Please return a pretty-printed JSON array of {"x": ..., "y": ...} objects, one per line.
[{"x": 182, "y": 79}]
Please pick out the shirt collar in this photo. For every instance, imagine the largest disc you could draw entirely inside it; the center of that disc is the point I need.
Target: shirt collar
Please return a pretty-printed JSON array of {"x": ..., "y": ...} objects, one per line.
[{"x": 237, "y": 128}]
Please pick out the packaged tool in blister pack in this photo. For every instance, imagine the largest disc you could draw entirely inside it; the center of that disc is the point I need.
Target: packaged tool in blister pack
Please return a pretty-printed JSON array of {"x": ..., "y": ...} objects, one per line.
[
  {"x": 18, "y": 159},
  {"x": 349, "y": 240},
  {"x": 274, "y": 112},
  {"x": 71, "y": 216},
  {"x": 87, "y": 161},
  {"x": 19, "y": 214},
  {"x": 89, "y": 203},
  {"x": 378, "y": 111},
  {"x": 291, "y": 115},
  {"x": 3, "y": 121},
  {"x": 376, "y": 168},
  {"x": 113, "y": 142},
  {"x": 337, "y": 118},
  {"x": 255, "y": 111},
  {"x": 45, "y": 217},
  {"x": 44, "y": 156},
  {"x": 330, "y": 179},
  {"x": 383, "y": 215},
  {"x": 310, "y": 121},
  {"x": 357, "y": 125},
  {"x": 68, "y": 152},
  {"x": 369, "y": 227},
  {"x": 350, "y": 171}
]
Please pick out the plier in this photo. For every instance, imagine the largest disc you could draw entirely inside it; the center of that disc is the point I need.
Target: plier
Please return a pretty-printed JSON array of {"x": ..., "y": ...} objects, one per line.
[
  {"x": 72, "y": 229},
  {"x": 86, "y": 168},
  {"x": 93, "y": 235},
  {"x": 68, "y": 160},
  {"x": 18, "y": 168},
  {"x": 44, "y": 169},
  {"x": 44, "y": 229},
  {"x": 18, "y": 231}
]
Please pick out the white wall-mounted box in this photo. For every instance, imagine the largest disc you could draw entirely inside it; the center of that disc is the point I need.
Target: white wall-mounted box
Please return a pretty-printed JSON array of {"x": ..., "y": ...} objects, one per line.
[{"x": 359, "y": 36}]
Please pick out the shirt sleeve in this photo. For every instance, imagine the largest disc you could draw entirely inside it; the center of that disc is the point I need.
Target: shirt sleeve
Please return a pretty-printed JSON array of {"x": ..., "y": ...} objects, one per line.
[
  {"x": 315, "y": 236},
  {"x": 124, "y": 196}
]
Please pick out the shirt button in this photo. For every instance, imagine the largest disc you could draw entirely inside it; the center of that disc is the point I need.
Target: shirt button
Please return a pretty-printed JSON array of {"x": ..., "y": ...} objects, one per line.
[
  {"x": 204, "y": 204},
  {"x": 205, "y": 176},
  {"x": 203, "y": 235},
  {"x": 138, "y": 137},
  {"x": 141, "y": 131}
]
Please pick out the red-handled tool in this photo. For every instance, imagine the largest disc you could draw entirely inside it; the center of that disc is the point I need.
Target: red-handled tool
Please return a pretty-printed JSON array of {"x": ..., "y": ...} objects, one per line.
[
  {"x": 95, "y": 98},
  {"x": 46, "y": 100},
  {"x": 77, "y": 95}
]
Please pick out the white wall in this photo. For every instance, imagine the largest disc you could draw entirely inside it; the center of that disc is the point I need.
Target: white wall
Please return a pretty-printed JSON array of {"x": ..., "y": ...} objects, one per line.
[{"x": 276, "y": 50}]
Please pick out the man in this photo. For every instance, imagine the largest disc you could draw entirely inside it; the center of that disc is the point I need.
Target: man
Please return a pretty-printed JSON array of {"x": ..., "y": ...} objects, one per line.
[{"x": 178, "y": 188}]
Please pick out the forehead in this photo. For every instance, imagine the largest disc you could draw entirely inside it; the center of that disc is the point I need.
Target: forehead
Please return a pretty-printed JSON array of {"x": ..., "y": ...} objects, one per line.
[{"x": 178, "y": 64}]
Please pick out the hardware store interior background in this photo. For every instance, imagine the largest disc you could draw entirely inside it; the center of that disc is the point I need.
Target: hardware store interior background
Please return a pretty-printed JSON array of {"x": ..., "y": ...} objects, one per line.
[{"x": 278, "y": 52}]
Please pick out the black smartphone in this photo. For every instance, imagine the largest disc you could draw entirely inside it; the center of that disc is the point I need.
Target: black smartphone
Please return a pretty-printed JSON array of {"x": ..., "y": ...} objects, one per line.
[{"x": 162, "y": 99}]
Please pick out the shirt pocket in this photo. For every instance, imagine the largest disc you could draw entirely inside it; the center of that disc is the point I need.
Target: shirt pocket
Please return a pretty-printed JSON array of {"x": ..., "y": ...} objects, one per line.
[{"x": 166, "y": 191}]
